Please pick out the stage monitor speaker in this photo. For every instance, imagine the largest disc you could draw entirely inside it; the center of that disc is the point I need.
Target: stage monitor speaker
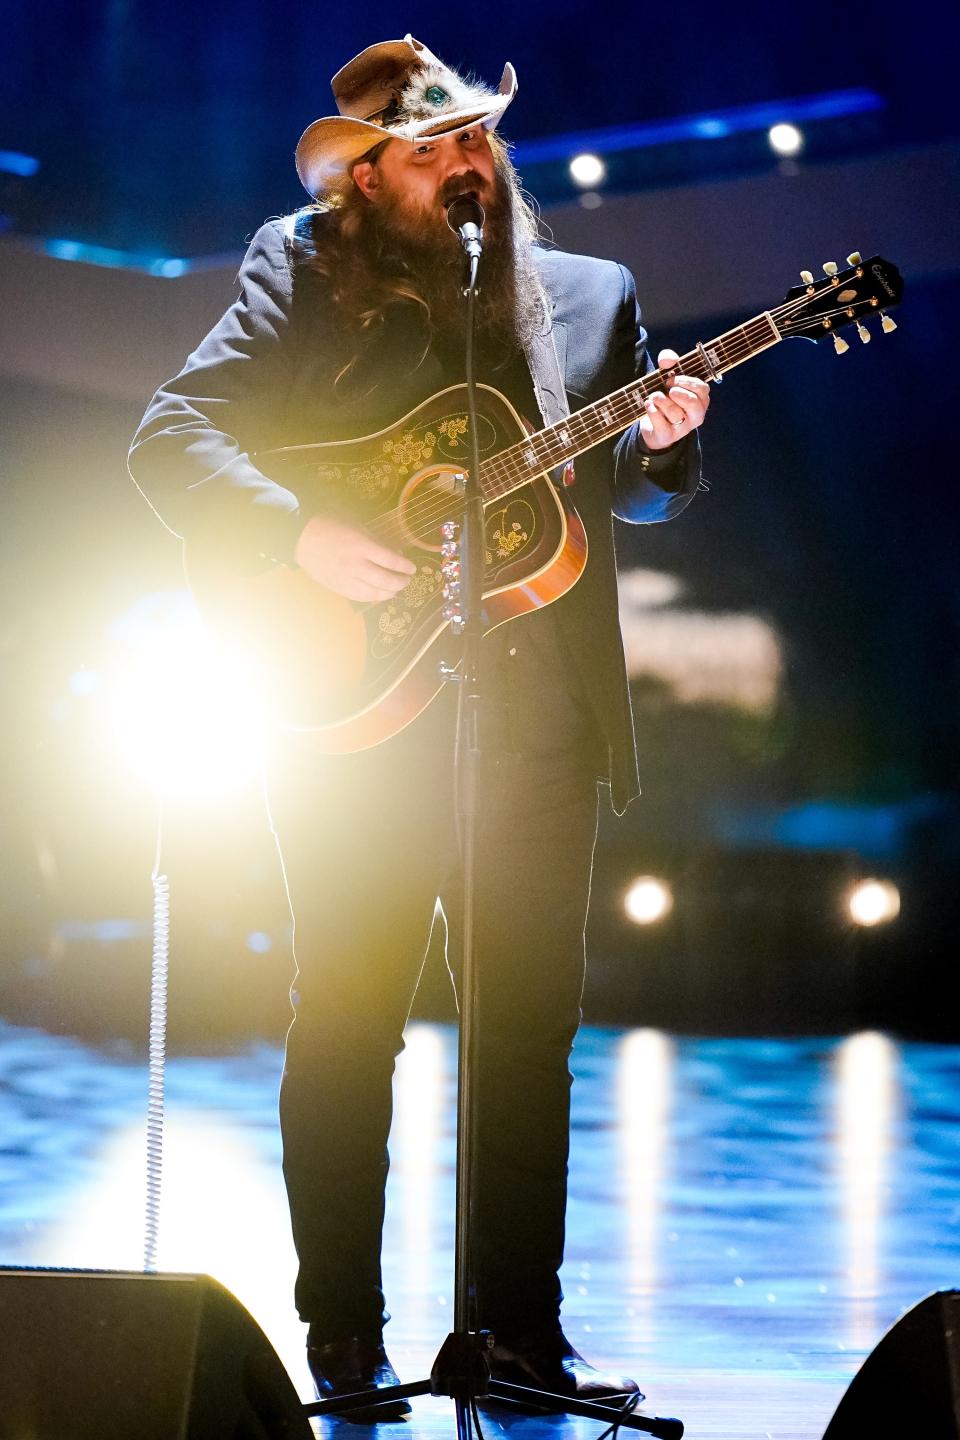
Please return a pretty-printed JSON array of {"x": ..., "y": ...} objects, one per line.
[
  {"x": 108, "y": 1355},
  {"x": 910, "y": 1384}
]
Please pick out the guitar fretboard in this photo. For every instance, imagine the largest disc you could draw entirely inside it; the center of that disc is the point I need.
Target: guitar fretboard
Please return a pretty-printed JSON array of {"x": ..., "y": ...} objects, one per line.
[{"x": 583, "y": 429}]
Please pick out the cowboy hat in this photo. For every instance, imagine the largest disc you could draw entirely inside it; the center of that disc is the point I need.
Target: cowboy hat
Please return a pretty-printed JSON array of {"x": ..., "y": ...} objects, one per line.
[{"x": 397, "y": 89}]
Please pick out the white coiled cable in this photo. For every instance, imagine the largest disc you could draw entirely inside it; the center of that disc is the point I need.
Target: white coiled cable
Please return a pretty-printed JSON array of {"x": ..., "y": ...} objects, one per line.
[{"x": 156, "y": 1082}]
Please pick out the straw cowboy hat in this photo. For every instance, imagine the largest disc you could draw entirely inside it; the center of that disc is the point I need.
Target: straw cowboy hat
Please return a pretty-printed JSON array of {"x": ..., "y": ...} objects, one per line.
[{"x": 397, "y": 89}]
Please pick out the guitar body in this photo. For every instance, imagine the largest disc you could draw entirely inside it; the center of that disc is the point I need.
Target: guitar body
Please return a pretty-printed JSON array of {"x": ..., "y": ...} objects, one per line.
[{"x": 354, "y": 674}]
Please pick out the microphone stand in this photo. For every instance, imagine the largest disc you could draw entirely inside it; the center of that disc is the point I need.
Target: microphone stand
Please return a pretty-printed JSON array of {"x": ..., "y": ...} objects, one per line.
[
  {"x": 470, "y": 1348},
  {"x": 461, "y": 1369}
]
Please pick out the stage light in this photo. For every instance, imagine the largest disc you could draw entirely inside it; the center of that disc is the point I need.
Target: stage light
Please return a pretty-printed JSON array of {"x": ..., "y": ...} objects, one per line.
[
  {"x": 183, "y": 711},
  {"x": 12, "y": 162},
  {"x": 648, "y": 900},
  {"x": 169, "y": 267},
  {"x": 587, "y": 170},
  {"x": 728, "y": 659},
  {"x": 642, "y": 589},
  {"x": 873, "y": 902},
  {"x": 785, "y": 139}
]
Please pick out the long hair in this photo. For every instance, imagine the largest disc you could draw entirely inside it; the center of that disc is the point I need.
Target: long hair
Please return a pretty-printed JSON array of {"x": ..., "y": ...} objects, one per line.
[{"x": 365, "y": 280}]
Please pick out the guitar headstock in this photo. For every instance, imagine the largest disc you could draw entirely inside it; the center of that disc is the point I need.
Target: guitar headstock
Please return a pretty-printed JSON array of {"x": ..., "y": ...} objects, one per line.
[{"x": 819, "y": 308}]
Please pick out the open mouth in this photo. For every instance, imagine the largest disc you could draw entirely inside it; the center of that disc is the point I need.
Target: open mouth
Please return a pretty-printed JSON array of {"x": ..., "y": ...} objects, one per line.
[{"x": 462, "y": 195}]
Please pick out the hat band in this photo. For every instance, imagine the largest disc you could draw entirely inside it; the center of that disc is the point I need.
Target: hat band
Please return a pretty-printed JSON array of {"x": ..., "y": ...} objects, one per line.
[{"x": 389, "y": 115}]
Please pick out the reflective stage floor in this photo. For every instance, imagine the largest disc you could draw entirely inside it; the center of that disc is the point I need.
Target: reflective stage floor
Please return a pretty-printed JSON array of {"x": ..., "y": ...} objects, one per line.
[{"x": 746, "y": 1218}]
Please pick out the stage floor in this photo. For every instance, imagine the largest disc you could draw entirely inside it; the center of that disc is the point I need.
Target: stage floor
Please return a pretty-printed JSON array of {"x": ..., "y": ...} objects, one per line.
[{"x": 747, "y": 1217}]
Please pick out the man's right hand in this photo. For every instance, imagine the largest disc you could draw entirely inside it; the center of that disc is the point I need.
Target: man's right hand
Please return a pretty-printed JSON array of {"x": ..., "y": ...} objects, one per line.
[{"x": 346, "y": 559}]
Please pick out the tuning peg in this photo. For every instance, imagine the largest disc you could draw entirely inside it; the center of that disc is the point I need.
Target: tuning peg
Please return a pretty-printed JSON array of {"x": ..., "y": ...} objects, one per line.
[
  {"x": 863, "y": 332},
  {"x": 807, "y": 277},
  {"x": 830, "y": 268},
  {"x": 855, "y": 258},
  {"x": 887, "y": 323},
  {"x": 840, "y": 345}
]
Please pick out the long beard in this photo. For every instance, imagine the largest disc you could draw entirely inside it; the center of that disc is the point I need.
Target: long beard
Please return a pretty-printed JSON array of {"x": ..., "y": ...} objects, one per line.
[{"x": 421, "y": 248}]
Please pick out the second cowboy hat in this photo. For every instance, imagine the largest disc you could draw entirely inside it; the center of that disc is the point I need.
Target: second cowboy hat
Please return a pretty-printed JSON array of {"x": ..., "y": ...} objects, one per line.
[{"x": 397, "y": 89}]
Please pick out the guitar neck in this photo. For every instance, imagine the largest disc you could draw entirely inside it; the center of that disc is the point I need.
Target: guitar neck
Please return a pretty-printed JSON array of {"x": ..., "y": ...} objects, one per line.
[{"x": 583, "y": 429}]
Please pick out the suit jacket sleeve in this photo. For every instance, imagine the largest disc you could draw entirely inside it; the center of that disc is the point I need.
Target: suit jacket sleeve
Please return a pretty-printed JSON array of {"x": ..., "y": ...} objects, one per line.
[
  {"x": 190, "y": 456},
  {"x": 648, "y": 485}
]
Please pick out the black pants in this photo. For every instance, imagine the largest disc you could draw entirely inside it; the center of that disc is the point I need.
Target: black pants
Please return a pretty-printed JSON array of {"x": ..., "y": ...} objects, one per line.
[{"x": 368, "y": 844}]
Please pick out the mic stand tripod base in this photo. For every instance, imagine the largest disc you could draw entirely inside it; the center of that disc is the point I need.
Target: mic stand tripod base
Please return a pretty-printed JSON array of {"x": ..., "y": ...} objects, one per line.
[
  {"x": 366, "y": 1399},
  {"x": 462, "y": 1367},
  {"x": 462, "y": 1371},
  {"x": 524, "y": 1397}
]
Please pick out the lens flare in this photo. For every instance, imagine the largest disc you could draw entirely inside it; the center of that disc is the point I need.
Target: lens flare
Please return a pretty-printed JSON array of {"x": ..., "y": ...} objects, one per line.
[
  {"x": 873, "y": 902},
  {"x": 785, "y": 139},
  {"x": 183, "y": 711},
  {"x": 648, "y": 900},
  {"x": 587, "y": 171}
]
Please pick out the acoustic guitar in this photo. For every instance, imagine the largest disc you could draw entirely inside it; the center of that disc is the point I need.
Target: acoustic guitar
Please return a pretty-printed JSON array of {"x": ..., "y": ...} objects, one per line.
[{"x": 355, "y": 674}]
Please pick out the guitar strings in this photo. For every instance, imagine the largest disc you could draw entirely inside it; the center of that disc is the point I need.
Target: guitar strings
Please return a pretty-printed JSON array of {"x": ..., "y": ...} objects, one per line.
[
  {"x": 504, "y": 467},
  {"x": 506, "y": 471},
  {"x": 621, "y": 404}
]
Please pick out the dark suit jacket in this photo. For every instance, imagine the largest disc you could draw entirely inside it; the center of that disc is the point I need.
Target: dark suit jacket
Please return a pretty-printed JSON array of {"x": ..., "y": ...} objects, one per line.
[{"x": 264, "y": 377}]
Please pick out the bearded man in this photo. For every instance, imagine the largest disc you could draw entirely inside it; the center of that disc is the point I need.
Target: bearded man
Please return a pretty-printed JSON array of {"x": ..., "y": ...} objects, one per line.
[{"x": 350, "y": 314}]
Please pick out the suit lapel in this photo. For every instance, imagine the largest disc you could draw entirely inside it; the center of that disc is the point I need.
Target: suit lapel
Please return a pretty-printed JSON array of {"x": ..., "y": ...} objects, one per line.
[{"x": 560, "y": 342}]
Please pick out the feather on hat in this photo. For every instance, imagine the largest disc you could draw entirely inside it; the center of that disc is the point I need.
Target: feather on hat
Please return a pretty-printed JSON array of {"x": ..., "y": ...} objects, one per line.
[{"x": 397, "y": 89}]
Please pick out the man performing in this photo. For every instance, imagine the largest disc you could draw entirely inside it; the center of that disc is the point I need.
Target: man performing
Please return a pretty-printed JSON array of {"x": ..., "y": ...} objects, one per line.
[{"x": 350, "y": 316}]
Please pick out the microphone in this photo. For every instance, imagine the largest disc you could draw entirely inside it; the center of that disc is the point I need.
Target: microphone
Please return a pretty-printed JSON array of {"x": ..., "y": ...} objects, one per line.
[{"x": 465, "y": 216}]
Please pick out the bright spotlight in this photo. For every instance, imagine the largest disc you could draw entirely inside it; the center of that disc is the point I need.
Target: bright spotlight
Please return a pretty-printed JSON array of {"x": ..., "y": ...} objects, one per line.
[
  {"x": 648, "y": 900},
  {"x": 184, "y": 712},
  {"x": 785, "y": 139},
  {"x": 873, "y": 902},
  {"x": 587, "y": 170}
]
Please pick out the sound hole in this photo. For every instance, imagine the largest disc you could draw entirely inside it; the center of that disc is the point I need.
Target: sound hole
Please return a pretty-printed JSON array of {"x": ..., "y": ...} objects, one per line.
[{"x": 428, "y": 499}]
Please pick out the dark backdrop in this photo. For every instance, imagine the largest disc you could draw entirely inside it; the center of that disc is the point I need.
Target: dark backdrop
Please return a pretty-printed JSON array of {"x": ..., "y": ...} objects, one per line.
[{"x": 831, "y": 513}]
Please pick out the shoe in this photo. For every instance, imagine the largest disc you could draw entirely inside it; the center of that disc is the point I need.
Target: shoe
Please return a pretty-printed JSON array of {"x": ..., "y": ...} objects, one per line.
[
  {"x": 545, "y": 1360},
  {"x": 345, "y": 1367}
]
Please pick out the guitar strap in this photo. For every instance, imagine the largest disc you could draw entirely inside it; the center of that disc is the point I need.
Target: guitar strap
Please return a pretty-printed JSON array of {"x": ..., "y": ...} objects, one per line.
[
  {"x": 544, "y": 365},
  {"x": 543, "y": 362}
]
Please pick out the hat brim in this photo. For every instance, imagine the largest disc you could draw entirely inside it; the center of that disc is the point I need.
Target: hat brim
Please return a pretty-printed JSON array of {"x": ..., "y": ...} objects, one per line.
[{"x": 329, "y": 146}]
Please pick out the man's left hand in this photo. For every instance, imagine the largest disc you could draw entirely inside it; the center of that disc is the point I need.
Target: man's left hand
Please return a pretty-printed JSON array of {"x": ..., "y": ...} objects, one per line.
[{"x": 675, "y": 410}]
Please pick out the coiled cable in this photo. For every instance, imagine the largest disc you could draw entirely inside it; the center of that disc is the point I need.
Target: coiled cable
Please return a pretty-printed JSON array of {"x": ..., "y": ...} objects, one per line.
[{"x": 156, "y": 1081}]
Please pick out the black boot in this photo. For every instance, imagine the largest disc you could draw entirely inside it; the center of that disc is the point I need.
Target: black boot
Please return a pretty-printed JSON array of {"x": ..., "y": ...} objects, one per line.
[
  {"x": 545, "y": 1360},
  {"x": 344, "y": 1367}
]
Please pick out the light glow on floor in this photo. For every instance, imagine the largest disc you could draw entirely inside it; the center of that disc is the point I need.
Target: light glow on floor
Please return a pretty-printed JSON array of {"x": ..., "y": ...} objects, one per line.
[
  {"x": 645, "y": 1092},
  {"x": 867, "y": 1110}
]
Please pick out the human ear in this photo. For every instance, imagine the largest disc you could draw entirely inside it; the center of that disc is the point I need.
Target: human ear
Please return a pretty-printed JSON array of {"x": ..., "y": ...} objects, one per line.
[{"x": 366, "y": 178}]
